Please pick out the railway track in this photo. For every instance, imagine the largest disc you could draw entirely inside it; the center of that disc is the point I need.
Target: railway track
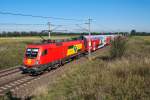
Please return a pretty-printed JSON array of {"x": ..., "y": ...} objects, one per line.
[
  {"x": 7, "y": 80},
  {"x": 21, "y": 81},
  {"x": 21, "y": 90},
  {"x": 5, "y": 87},
  {"x": 10, "y": 71},
  {"x": 14, "y": 83}
]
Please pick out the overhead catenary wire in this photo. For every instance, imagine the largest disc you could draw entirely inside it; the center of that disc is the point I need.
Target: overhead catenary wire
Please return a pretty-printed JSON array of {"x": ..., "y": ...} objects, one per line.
[
  {"x": 82, "y": 28},
  {"x": 46, "y": 17},
  {"x": 100, "y": 25},
  {"x": 27, "y": 26},
  {"x": 20, "y": 24},
  {"x": 37, "y": 16},
  {"x": 13, "y": 24}
]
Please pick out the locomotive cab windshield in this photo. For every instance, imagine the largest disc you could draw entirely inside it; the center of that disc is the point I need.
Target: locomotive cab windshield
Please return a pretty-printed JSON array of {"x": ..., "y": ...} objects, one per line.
[{"x": 31, "y": 53}]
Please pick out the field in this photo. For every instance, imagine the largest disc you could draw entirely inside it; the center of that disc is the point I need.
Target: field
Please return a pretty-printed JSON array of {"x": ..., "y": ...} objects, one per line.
[
  {"x": 12, "y": 49},
  {"x": 103, "y": 78},
  {"x": 125, "y": 78}
]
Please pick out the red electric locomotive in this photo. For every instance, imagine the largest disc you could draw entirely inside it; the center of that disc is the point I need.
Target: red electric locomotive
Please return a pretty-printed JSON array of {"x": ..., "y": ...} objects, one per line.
[{"x": 40, "y": 57}]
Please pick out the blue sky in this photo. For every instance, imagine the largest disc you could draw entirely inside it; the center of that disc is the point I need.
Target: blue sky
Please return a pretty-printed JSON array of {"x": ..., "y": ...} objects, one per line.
[{"x": 107, "y": 15}]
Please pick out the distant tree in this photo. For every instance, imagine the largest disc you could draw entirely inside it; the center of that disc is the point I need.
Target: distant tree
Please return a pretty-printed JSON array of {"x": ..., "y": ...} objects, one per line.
[{"x": 133, "y": 32}]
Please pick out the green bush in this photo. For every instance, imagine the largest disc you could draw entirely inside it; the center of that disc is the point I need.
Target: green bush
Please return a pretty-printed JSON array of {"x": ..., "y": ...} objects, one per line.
[{"x": 118, "y": 47}]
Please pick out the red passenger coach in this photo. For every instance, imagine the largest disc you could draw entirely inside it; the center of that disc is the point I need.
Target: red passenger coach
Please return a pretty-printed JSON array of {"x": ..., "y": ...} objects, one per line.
[
  {"x": 94, "y": 44},
  {"x": 108, "y": 40}
]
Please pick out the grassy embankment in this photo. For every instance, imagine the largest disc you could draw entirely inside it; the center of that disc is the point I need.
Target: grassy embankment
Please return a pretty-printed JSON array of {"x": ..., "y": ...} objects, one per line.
[
  {"x": 123, "y": 78},
  {"x": 12, "y": 49}
]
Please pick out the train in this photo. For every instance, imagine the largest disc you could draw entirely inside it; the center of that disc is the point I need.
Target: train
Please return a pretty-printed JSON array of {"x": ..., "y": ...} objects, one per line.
[{"x": 49, "y": 54}]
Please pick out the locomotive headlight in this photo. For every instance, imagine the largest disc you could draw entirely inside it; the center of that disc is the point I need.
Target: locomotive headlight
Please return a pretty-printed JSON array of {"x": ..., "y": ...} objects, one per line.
[{"x": 36, "y": 62}]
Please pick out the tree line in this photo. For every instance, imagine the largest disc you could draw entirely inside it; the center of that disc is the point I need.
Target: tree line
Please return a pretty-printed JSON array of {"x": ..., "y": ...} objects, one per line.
[
  {"x": 133, "y": 32},
  {"x": 34, "y": 33}
]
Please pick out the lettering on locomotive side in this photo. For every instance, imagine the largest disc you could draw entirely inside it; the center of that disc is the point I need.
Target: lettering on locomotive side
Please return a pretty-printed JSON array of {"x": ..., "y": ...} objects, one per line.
[{"x": 74, "y": 49}]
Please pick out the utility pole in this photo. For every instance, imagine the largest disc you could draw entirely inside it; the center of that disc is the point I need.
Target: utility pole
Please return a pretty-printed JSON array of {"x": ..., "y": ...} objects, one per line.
[
  {"x": 49, "y": 30},
  {"x": 118, "y": 32},
  {"x": 89, "y": 29}
]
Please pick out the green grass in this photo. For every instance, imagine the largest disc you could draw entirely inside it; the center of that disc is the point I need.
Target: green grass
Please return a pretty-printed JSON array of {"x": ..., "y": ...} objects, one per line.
[
  {"x": 12, "y": 49},
  {"x": 125, "y": 78}
]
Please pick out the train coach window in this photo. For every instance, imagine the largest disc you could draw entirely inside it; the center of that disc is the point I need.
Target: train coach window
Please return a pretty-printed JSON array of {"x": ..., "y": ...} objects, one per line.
[{"x": 44, "y": 52}]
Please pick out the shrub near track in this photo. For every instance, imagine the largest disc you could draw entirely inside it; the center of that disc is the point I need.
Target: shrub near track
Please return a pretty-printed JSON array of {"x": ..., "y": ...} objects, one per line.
[
  {"x": 118, "y": 47},
  {"x": 124, "y": 78}
]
